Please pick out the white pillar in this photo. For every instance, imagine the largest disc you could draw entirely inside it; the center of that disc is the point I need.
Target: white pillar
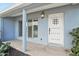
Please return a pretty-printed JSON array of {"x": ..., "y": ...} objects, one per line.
[{"x": 24, "y": 31}]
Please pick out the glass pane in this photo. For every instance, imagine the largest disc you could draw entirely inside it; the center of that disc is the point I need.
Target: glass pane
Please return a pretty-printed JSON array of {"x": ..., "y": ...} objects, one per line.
[
  {"x": 20, "y": 28},
  {"x": 35, "y": 31},
  {"x": 29, "y": 20},
  {"x": 35, "y": 20},
  {"x": 55, "y": 21},
  {"x": 29, "y": 31}
]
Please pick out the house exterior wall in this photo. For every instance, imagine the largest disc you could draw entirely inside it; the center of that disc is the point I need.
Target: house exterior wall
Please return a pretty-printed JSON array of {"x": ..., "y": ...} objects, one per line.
[
  {"x": 71, "y": 20},
  {"x": 42, "y": 28},
  {"x": 8, "y": 28}
]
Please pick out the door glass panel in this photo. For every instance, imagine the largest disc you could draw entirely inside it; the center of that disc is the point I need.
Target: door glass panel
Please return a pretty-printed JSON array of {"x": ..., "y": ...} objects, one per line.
[{"x": 55, "y": 21}]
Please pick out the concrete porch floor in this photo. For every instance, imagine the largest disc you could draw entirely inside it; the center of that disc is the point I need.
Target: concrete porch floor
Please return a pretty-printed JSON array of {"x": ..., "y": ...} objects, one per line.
[{"x": 39, "y": 50}]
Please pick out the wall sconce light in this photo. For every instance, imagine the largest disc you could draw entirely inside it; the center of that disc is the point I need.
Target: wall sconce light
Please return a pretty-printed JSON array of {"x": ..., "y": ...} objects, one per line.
[{"x": 42, "y": 14}]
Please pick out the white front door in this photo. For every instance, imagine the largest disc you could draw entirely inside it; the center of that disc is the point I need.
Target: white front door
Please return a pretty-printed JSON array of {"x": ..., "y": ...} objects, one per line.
[{"x": 56, "y": 28}]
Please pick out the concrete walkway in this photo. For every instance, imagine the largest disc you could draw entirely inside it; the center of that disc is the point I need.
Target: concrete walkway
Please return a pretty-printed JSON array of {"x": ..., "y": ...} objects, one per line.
[{"x": 39, "y": 50}]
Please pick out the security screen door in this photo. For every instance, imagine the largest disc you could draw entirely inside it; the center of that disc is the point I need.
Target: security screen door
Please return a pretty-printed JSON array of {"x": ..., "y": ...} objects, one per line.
[{"x": 56, "y": 28}]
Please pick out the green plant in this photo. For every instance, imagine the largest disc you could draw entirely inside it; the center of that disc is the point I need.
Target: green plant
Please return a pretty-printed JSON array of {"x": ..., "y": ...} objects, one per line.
[
  {"x": 4, "y": 47},
  {"x": 75, "y": 42}
]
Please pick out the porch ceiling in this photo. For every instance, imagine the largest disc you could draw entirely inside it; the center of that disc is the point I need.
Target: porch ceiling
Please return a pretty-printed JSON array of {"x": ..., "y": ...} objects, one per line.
[{"x": 30, "y": 7}]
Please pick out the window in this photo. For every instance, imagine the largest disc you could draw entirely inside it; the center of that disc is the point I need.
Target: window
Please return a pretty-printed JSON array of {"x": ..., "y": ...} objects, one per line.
[
  {"x": 33, "y": 28},
  {"x": 55, "y": 21},
  {"x": 35, "y": 31},
  {"x": 29, "y": 20},
  {"x": 30, "y": 28},
  {"x": 30, "y": 31},
  {"x": 20, "y": 28}
]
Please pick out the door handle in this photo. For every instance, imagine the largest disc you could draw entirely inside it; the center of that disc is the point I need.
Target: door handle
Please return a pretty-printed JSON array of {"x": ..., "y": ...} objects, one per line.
[{"x": 49, "y": 30}]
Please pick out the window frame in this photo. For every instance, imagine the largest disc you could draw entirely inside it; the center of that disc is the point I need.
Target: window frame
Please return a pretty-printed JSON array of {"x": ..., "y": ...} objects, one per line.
[{"x": 32, "y": 23}]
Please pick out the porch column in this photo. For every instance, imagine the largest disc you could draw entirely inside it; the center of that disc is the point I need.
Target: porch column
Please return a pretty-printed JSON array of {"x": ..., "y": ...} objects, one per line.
[{"x": 24, "y": 30}]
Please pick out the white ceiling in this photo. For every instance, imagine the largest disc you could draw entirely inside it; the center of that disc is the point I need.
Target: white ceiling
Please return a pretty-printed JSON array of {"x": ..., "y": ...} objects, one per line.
[{"x": 30, "y": 7}]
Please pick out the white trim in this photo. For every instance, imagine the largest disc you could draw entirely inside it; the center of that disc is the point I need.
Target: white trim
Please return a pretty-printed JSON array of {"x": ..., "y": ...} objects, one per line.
[
  {"x": 35, "y": 23},
  {"x": 51, "y": 5},
  {"x": 19, "y": 38},
  {"x": 39, "y": 8},
  {"x": 14, "y": 7},
  {"x": 63, "y": 29}
]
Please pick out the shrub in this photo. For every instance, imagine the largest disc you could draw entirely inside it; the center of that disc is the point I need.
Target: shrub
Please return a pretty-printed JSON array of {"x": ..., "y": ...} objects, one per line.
[
  {"x": 75, "y": 42},
  {"x": 4, "y": 49}
]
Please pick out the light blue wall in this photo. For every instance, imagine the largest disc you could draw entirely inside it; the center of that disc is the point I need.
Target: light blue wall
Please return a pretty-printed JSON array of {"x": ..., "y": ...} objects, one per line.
[
  {"x": 0, "y": 28},
  {"x": 8, "y": 28},
  {"x": 71, "y": 21},
  {"x": 43, "y": 31},
  {"x": 0, "y": 23}
]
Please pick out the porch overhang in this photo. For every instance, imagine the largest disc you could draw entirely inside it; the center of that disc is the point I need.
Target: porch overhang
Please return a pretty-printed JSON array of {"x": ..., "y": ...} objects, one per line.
[{"x": 30, "y": 7}]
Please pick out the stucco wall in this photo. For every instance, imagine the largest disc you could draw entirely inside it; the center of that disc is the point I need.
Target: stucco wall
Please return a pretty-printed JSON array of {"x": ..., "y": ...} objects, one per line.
[
  {"x": 43, "y": 30},
  {"x": 8, "y": 28},
  {"x": 71, "y": 21}
]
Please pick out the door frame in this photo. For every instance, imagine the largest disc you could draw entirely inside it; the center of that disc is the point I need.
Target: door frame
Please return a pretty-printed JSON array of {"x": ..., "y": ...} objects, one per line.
[{"x": 62, "y": 28}]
